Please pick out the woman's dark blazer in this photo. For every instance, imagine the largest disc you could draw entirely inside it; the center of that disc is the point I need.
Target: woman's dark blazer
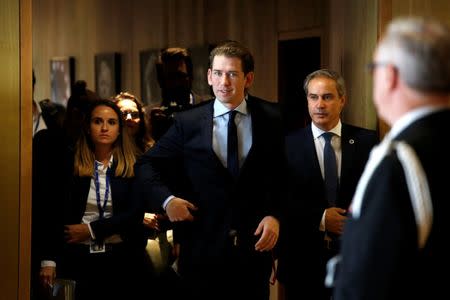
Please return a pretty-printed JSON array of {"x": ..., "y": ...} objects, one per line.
[{"x": 70, "y": 197}]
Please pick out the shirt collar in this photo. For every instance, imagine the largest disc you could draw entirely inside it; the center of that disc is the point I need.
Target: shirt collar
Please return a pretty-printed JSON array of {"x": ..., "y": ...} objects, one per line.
[
  {"x": 220, "y": 109},
  {"x": 316, "y": 131},
  {"x": 410, "y": 118},
  {"x": 102, "y": 167}
]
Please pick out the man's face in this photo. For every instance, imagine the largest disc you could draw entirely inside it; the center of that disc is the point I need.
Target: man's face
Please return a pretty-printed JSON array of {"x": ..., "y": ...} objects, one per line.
[
  {"x": 176, "y": 83},
  {"x": 228, "y": 80},
  {"x": 130, "y": 115},
  {"x": 324, "y": 103}
]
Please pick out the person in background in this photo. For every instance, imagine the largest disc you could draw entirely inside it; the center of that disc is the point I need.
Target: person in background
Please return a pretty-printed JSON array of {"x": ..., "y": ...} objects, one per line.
[
  {"x": 134, "y": 118},
  {"x": 49, "y": 148},
  {"x": 160, "y": 243},
  {"x": 174, "y": 70},
  {"x": 394, "y": 243},
  {"x": 46, "y": 114},
  {"x": 97, "y": 241},
  {"x": 77, "y": 106},
  {"x": 226, "y": 212},
  {"x": 316, "y": 213}
]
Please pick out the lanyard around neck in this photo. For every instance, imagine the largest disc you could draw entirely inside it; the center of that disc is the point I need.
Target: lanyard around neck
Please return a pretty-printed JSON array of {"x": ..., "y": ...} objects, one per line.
[{"x": 101, "y": 208}]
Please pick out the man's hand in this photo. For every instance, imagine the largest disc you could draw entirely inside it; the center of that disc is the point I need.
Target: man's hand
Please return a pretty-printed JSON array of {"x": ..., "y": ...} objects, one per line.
[
  {"x": 151, "y": 221},
  {"x": 180, "y": 210},
  {"x": 335, "y": 219},
  {"x": 270, "y": 228}
]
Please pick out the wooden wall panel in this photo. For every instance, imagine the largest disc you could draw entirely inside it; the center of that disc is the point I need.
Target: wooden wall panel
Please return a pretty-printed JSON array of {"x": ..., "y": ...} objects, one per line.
[
  {"x": 439, "y": 9},
  {"x": 260, "y": 35},
  {"x": 10, "y": 152},
  {"x": 185, "y": 22},
  {"x": 389, "y": 9},
  {"x": 253, "y": 23},
  {"x": 25, "y": 116},
  {"x": 359, "y": 45},
  {"x": 353, "y": 35},
  {"x": 149, "y": 31},
  {"x": 294, "y": 15},
  {"x": 353, "y": 32}
]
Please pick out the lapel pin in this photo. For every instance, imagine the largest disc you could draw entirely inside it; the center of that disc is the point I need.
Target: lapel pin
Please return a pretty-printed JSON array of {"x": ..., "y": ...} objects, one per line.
[{"x": 351, "y": 141}]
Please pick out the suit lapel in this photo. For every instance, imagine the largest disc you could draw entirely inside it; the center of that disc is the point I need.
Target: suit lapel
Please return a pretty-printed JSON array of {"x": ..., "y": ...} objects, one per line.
[
  {"x": 206, "y": 128},
  {"x": 348, "y": 151},
  {"x": 311, "y": 154},
  {"x": 258, "y": 132},
  {"x": 78, "y": 195}
]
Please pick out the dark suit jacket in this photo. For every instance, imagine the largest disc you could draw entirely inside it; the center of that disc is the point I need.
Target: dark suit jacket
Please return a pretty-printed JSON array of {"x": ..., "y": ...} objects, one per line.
[
  {"x": 69, "y": 195},
  {"x": 302, "y": 268},
  {"x": 380, "y": 256},
  {"x": 127, "y": 210},
  {"x": 199, "y": 177},
  {"x": 59, "y": 198}
]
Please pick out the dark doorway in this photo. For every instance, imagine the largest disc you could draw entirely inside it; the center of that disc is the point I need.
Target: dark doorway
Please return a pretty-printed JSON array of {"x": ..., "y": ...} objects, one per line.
[{"x": 296, "y": 59}]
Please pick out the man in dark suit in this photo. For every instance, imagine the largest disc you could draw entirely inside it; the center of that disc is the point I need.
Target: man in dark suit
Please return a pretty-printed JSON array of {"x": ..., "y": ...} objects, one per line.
[
  {"x": 315, "y": 217},
  {"x": 394, "y": 246},
  {"x": 225, "y": 211}
]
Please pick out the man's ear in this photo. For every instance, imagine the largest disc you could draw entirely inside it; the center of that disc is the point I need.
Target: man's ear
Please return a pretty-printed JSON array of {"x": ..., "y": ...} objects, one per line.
[
  {"x": 391, "y": 76},
  {"x": 343, "y": 101},
  {"x": 209, "y": 77},
  {"x": 249, "y": 79}
]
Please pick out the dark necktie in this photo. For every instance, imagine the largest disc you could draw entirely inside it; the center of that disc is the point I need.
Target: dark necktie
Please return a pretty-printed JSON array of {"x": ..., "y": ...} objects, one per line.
[
  {"x": 232, "y": 154},
  {"x": 329, "y": 162}
]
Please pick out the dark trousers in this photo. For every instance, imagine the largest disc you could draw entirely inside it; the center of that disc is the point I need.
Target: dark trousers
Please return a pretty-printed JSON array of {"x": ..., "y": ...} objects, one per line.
[
  {"x": 118, "y": 273},
  {"x": 239, "y": 275},
  {"x": 309, "y": 280}
]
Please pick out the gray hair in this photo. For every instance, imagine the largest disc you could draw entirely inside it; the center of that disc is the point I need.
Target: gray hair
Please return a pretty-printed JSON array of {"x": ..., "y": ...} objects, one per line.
[
  {"x": 338, "y": 79},
  {"x": 420, "y": 50}
]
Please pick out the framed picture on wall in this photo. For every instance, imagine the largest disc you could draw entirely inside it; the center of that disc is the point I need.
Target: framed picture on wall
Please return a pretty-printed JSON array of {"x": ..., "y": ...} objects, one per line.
[
  {"x": 62, "y": 77},
  {"x": 107, "y": 74},
  {"x": 150, "y": 90}
]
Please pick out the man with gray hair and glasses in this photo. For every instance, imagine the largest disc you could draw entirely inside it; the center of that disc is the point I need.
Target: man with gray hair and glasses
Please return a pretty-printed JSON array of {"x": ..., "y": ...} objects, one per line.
[{"x": 393, "y": 242}]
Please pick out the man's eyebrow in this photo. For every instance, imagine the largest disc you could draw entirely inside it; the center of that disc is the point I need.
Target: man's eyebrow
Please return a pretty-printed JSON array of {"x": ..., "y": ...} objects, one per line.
[{"x": 325, "y": 94}]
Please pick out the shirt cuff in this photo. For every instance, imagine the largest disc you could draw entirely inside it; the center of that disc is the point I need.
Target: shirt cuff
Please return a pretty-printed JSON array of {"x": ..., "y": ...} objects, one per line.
[
  {"x": 48, "y": 263},
  {"x": 91, "y": 231},
  {"x": 167, "y": 201},
  {"x": 322, "y": 222}
]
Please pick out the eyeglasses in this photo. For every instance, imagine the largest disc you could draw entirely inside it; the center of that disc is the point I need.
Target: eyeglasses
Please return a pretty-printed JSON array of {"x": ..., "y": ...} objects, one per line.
[{"x": 133, "y": 115}]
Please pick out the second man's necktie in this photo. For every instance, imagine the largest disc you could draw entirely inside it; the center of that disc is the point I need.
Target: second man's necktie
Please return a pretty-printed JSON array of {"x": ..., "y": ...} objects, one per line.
[
  {"x": 232, "y": 150},
  {"x": 330, "y": 166}
]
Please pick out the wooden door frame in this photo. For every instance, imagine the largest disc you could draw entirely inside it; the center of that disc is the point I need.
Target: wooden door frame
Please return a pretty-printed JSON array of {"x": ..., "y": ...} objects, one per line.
[{"x": 25, "y": 149}]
